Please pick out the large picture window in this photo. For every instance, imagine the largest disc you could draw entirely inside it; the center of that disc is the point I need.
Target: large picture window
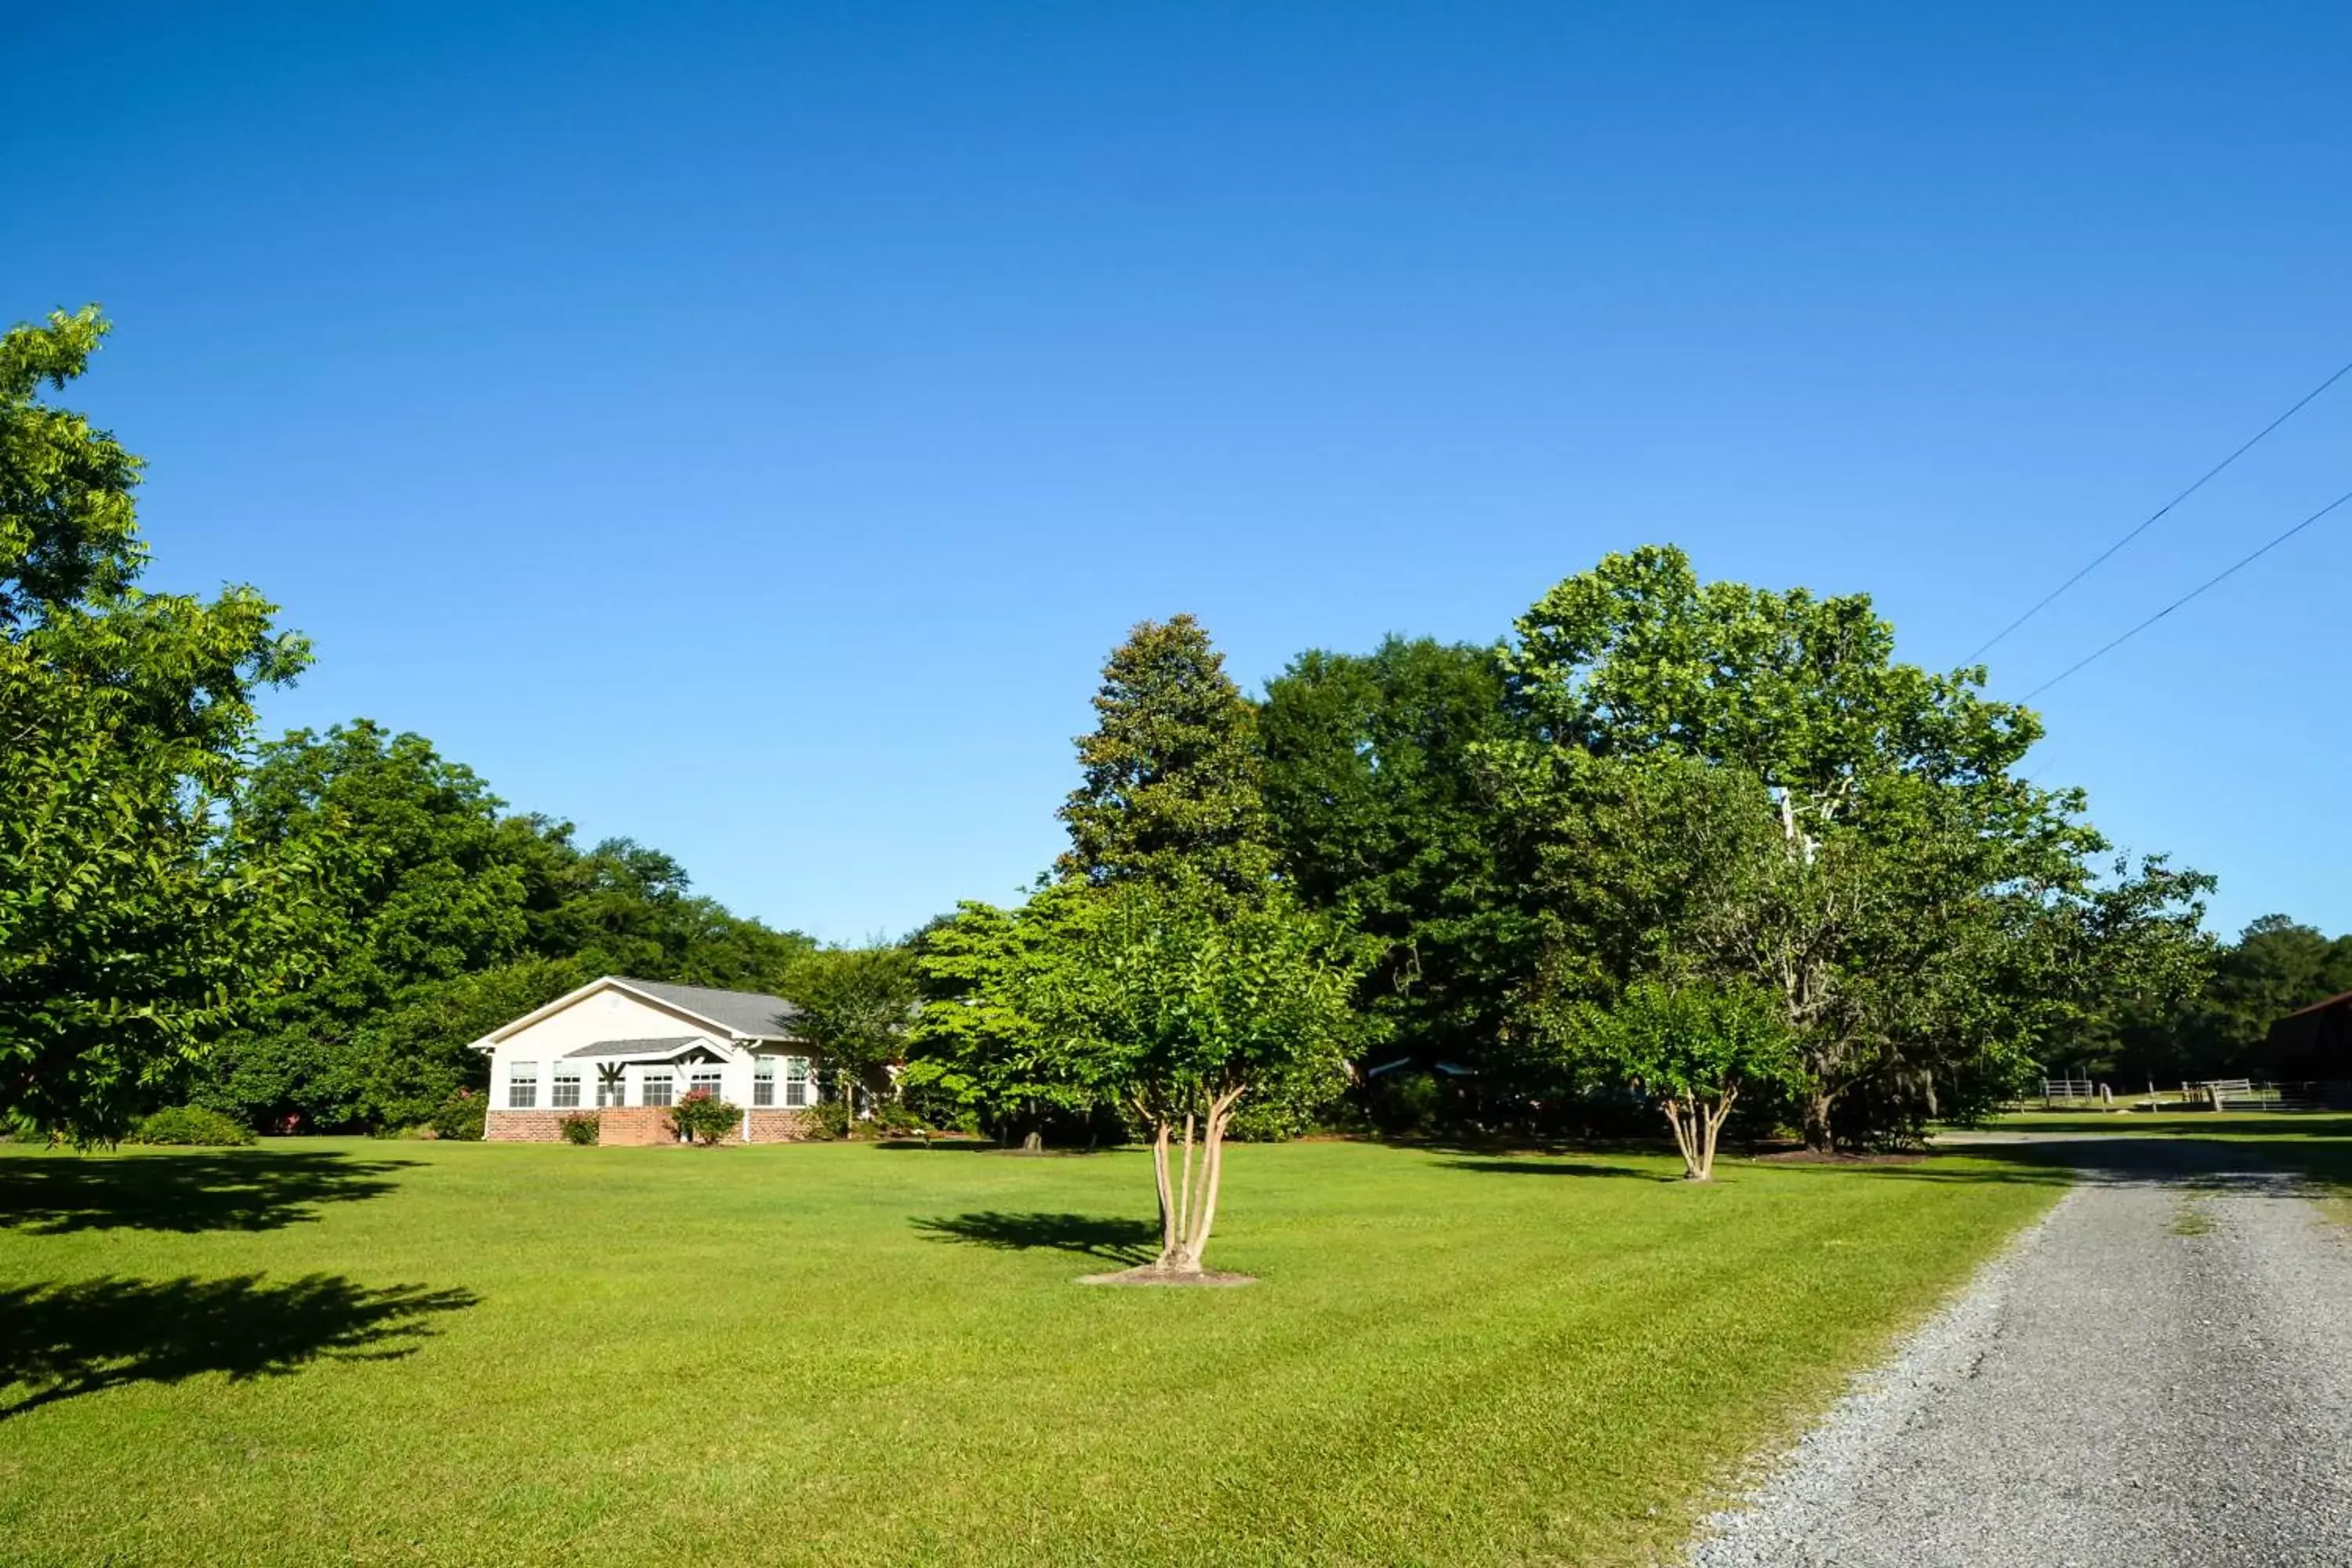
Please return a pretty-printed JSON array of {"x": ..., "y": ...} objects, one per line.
[
  {"x": 523, "y": 1086},
  {"x": 657, "y": 1086},
  {"x": 563, "y": 1088},
  {"x": 706, "y": 1078},
  {"x": 763, "y": 1081},
  {"x": 797, "y": 1081}
]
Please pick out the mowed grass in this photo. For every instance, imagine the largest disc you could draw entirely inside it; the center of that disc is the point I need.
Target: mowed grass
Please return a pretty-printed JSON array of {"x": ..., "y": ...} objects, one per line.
[{"x": 337, "y": 1350}]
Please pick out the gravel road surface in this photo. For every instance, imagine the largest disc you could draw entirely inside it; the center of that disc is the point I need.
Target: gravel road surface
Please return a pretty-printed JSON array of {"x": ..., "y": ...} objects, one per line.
[{"x": 2158, "y": 1373}]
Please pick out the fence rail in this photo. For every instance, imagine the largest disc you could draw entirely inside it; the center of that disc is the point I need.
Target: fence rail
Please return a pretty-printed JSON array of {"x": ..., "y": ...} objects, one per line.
[{"x": 2206, "y": 1094}]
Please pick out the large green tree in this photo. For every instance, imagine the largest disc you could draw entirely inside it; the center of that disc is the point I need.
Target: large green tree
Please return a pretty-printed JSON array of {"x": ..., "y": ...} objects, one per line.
[
  {"x": 974, "y": 1050},
  {"x": 1170, "y": 789},
  {"x": 1911, "y": 901},
  {"x": 135, "y": 920},
  {"x": 1381, "y": 816}
]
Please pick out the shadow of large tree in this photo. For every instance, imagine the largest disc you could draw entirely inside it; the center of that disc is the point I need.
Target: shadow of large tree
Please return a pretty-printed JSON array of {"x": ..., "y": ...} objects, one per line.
[
  {"x": 59, "y": 1342},
  {"x": 1112, "y": 1239},
  {"x": 259, "y": 1189},
  {"x": 1551, "y": 1167}
]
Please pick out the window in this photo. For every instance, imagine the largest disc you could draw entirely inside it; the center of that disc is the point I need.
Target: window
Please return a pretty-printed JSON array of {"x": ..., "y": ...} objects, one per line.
[
  {"x": 797, "y": 1081},
  {"x": 563, "y": 1088},
  {"x": 657, "y": 1085},
  {"x": 763, "y": 1081},
  {"x": 610, "y": 1089},
  {"x": 522, "y": 1085},
  {"x": 705, "y": 1078}
]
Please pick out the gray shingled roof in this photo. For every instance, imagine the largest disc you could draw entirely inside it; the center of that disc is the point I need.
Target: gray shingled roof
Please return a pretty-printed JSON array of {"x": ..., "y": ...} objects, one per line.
[
  {"x": 662, "y": 1047},
  {"x": 745, "y": 1012}
]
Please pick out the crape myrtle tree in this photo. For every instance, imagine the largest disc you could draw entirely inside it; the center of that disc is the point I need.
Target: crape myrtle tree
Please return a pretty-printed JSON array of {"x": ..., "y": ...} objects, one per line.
[
  {"x": 135, "y": 920},
  {"x": 1179, "y": 1004},
  {"x": 1692, "y": 1048},
  {"x": 1909, "y": 866}
]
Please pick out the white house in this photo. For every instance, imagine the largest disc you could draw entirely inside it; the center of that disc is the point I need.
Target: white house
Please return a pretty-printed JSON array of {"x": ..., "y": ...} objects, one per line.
[{"x": 628, "y": 1049}]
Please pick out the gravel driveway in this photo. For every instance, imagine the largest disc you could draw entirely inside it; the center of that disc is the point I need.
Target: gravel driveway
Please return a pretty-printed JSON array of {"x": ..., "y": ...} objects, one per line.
[{"x": 2160, "y": 1372}]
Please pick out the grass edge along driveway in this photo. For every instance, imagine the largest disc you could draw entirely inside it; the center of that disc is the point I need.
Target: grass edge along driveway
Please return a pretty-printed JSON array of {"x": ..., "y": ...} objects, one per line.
[{"x": 343, "y": 1351}]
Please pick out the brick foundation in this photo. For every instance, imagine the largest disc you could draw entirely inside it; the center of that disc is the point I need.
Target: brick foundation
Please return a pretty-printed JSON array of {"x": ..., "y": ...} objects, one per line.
[
  {"x": 632, "y": 1126},
  {"x": 779, "y": 1126}
]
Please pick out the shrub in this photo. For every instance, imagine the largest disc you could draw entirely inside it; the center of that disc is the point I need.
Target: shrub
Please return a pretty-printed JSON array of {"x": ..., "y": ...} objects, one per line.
[
  {"x": 828, "y": 1119},
  {"x": 460, "y": 1116},
  {"x": 895, "y": 1121},
  {"x": 580, "y": 1127},
  {"x": 191, "y": 1126},
  {"x": 703, "y": 1118}
]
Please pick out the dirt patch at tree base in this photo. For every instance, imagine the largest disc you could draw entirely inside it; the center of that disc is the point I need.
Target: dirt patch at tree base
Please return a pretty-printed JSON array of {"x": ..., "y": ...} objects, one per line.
[{"x": 1151, "y": 1274}]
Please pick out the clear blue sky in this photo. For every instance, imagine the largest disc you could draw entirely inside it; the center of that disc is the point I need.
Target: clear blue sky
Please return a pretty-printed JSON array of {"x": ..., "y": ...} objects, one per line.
[{"x": 747, "y": 428}]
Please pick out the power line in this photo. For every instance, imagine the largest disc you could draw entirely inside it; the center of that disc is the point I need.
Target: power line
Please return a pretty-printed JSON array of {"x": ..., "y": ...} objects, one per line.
[
  {"x": 2152, "y": 518},
  {"x": 2230, "y": 571}
]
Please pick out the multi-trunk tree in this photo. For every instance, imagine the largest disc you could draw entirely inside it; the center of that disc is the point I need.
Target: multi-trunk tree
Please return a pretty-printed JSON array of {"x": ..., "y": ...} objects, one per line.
[
  {"x": 1179, "y": 1006},
  {"x": 1692, "y": 1048}
]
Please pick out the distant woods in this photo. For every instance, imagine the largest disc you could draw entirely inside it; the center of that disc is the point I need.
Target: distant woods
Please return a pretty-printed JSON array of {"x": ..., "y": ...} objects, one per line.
[{"x": 1425, "y": 887}]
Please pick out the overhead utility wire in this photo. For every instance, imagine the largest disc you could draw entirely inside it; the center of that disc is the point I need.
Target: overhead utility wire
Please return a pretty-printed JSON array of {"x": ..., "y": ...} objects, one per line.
[
  {"x": 2151, "y": 519},
  {"x": 2230, "y": 571}
]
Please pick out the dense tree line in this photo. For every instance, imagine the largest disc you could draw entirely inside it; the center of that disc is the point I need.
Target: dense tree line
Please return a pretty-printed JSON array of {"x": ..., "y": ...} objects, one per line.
[
  {"x": 1666, "y": 846},
  {"x": 310, "y": 927},
  {"x": 2217, "y": 1023},
  {"x": 1705, "y": 800},
  {"x": 432, "y": 915}
]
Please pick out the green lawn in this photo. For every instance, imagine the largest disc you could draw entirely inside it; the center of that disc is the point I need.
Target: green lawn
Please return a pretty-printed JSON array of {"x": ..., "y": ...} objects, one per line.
[{"x": 336, "y": 1350}]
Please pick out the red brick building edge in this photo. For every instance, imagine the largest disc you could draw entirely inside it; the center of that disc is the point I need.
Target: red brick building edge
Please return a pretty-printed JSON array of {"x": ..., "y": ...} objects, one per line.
[{"x": 635, "y": 1126}]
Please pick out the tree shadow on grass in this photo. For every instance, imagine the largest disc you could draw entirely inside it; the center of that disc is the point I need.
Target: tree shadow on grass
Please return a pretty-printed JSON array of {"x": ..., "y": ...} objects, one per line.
[
  {"x": 60, "y": 1342},
  {"x": 1111, "y": 1240},
  {"x": 259, "y": 1189},
  {"x": 1557, "y": 1168}
]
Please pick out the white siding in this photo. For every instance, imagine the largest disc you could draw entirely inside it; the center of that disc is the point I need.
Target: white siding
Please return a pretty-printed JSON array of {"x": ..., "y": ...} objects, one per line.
[{"x": 612, "y": 1013}]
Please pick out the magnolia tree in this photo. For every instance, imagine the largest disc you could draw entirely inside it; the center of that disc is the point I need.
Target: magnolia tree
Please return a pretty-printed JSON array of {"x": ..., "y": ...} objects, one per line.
[
  {"x": 1180, "y": 1005},
  {"x": 1693, "y": 1048}
]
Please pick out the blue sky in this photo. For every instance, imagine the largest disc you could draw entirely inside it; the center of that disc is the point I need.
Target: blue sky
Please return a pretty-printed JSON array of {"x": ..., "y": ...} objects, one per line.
[{"x": 747, "y": 428}]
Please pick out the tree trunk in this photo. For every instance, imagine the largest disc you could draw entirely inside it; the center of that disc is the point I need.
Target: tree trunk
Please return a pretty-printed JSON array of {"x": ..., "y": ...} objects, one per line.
[
  {"x": 1679, "y": 1119},
  {"x": 1187, "y": 1196},
  {"x": 1818, "y": 1137}
]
